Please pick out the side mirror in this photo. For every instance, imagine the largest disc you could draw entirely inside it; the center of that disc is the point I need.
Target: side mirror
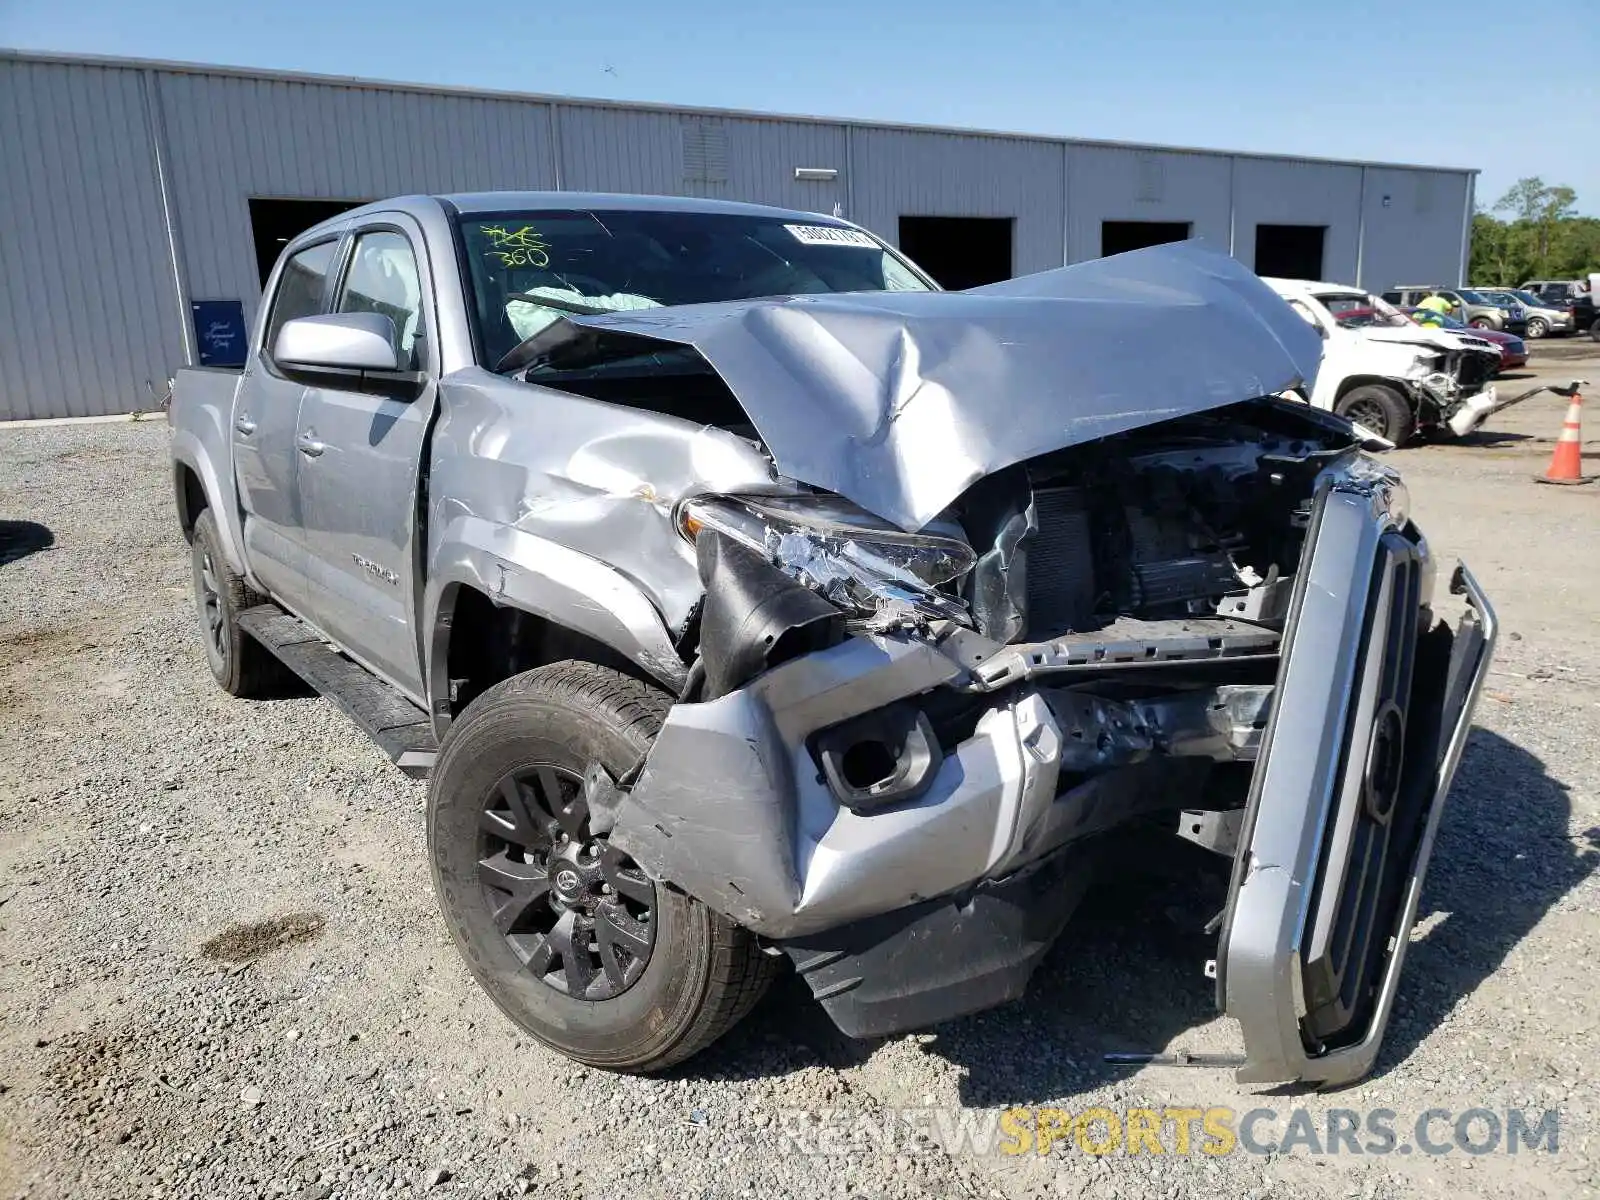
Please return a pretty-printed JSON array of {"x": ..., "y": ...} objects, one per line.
[{"x": 361, "y": 341}]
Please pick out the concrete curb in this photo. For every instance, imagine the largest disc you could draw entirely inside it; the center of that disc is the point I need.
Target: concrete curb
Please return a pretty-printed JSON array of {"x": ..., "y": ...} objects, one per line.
[{"x": 126, "y": 418}]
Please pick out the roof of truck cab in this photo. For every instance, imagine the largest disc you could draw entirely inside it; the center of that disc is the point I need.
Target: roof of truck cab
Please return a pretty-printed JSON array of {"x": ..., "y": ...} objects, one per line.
[
  {"x": 474, "y": 203},
  {"x": 491, "y": 202},
  {"x": 482, "y": 203}
]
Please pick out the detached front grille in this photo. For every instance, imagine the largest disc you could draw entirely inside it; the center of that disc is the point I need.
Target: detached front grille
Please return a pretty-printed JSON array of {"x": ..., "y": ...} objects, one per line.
[{"x": 1370, "y": 836}]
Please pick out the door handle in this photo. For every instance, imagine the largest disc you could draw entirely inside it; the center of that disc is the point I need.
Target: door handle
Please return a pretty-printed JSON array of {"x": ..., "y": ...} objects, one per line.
[
  {"x": 244, "y": 424},
  {"x": 309, "y": 446}
]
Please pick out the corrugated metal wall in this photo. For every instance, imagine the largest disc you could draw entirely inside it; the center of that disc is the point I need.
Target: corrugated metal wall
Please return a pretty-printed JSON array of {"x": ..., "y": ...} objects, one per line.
[
  {"x": 912, "y": 173},
  {"x": 89, "y": 305},
  {"x": 237, "y": 138},
  {"x": 1115, "y": 183},
  {"x": 1270, "y": 192},
  {"x": 1413, "y": 227}
]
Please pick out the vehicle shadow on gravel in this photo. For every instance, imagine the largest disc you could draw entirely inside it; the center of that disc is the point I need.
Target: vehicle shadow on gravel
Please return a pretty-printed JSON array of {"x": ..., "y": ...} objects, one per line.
[
  {"x": 1494, "y": 437},
  {"x": 1127, "y": 975},
  {"x": 18, "y": 539},
  {"x": 1505, "y": 856}
]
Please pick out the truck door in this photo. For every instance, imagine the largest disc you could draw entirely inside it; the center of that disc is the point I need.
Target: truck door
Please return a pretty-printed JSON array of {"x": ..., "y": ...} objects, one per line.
[
  {"x": 266, "y": 410},
  {"x": 360, "y": 449}
]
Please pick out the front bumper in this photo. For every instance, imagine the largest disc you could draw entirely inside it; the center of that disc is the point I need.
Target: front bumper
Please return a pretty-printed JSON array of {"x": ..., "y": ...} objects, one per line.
[{"x": 942, "y": 901}]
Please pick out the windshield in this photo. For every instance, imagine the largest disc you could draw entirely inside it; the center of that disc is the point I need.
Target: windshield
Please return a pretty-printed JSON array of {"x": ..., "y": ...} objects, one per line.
[
  {"x": 1357, "y": 310},
  {"x": 529, "y": 269},
  {"x": 1531, "y": 300}
]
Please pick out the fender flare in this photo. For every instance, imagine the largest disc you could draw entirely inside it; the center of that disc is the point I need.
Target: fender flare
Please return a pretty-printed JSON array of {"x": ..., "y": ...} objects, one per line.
[
  {"x": 520, "y": 570},
  {"x": 189, "y": 451}
]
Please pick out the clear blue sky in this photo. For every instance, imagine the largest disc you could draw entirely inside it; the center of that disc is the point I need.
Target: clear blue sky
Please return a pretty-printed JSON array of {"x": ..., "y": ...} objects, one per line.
[{"x": 1426, "y": 82}]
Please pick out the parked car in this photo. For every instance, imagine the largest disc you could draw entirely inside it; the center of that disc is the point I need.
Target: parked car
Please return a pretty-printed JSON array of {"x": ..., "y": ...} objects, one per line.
[
  {"x": 1542, "y": 319},
  {"x": 1577, "y": 295},
  {"x": 1513, "y": 350},
  {"x": 1379, "y": 369},
  {"x": 747, "y": 598},
  {"x": 1467, "y": 305}
]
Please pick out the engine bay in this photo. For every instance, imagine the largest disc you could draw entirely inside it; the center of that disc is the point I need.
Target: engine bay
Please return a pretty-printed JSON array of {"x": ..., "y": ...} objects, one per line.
[{"x": 1180, "y": 520}]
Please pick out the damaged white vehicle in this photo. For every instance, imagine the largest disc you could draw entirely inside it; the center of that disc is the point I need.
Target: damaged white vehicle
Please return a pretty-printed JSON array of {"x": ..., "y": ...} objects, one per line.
[
  {"x": 1386, "y": 372},
  {"x": 752, "y": 602}
]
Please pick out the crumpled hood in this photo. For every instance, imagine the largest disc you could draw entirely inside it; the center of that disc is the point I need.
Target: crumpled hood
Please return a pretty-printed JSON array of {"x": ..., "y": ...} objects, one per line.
[
  {"x": 1421, "y": 335},
  {"x": 899, "y": 401}
]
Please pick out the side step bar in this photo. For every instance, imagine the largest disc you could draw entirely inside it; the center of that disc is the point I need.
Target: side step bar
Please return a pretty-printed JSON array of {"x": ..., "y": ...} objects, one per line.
[{"x": 401, "y": 729}]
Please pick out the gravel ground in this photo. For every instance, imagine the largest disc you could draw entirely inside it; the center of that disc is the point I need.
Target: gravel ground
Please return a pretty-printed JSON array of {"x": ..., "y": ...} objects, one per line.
[{"x": 222, "y": 974}]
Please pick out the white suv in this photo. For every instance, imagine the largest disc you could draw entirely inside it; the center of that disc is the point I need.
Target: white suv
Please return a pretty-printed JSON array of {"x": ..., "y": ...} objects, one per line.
[{"x": 1387, "y": 373}]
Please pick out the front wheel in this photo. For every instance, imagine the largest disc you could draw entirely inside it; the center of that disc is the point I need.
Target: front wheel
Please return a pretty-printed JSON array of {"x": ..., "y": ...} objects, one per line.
[
  {"x": 1481, "y": 323},
  {"x": 1537, "y": 327},
  {"x": 1381, "y": 409},
  {"x": 568, "y": 935}
]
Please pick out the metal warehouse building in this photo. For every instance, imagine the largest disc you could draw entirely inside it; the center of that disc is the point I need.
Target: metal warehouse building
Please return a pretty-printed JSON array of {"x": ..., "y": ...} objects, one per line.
[{"x": 142, "y": 203}]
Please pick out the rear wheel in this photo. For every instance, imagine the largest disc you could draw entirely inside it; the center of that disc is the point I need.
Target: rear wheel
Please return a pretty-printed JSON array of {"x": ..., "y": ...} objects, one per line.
[
  {"x": 1537, "y": 327},
  {"x": 568, "y": 935},
  {"x": 1481, "y": 323},
  {"x": 1381, "y": 409},
  {"x": 241, "y": 665}
]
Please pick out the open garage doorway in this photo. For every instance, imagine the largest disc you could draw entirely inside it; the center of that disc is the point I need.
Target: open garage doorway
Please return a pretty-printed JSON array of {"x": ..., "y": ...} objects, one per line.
[
  {"x": 1290, "y": 251},
  {"x": 274, "y": 222},
  {"x": 1118, "y": 237},
  {"x": 959, "y": 252}
]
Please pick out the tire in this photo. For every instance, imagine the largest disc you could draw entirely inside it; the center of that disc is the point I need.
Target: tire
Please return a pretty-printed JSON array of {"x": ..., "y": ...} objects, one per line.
[
  {"x": 1481, "y": 323},
  {"x": 1381, "y": 409},
  {"x": 241, "y": 665},
  {"x": 1538, "y": 327},
  {"x": 517, "y": 746}
]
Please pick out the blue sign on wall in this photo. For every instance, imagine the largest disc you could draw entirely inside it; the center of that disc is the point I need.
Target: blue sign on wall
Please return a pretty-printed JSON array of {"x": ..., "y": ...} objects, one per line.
[{"x": 219, "y": 332}]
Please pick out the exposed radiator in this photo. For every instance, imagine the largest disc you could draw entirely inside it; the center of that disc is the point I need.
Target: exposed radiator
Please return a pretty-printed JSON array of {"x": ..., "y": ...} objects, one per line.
[{"x": 1061, "y": 582}]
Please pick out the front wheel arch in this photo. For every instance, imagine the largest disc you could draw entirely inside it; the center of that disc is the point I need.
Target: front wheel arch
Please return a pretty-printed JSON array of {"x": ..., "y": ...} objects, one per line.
[
  {"x": 702, "y": 972},
  {"x": 478, "y": 643}
]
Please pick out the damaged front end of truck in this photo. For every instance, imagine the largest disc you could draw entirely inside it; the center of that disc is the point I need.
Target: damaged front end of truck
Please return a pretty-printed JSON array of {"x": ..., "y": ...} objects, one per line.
[
  {"x": 1451, "y": 386},
  {"x": 1028, "y": 573}
]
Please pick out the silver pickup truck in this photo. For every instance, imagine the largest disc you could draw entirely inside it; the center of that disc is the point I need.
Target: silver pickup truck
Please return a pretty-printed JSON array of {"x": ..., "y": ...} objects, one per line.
[{"x": 748, "y": 601}]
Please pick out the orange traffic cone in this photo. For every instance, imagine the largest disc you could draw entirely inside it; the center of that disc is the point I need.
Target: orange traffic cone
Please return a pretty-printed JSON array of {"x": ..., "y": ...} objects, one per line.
[{"x": 1566, "y": 464}]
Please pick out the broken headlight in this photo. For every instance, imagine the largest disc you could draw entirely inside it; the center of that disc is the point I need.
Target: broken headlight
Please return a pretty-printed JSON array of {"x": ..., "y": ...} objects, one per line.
[
  {"x": 1382, "y": 479},
  {"x": 859, "y": 562}
]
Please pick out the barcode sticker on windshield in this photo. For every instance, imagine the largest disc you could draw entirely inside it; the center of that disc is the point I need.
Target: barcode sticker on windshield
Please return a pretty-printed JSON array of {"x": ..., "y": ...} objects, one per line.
[{"x": 830, "y": 235}]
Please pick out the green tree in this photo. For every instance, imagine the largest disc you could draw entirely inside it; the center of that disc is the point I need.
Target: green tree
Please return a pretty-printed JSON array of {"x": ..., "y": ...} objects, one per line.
[{"x": 1540, "y": 209}]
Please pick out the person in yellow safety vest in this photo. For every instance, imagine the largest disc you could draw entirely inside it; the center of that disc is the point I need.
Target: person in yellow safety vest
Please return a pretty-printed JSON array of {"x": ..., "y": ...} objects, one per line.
[{"x": 1437, "y": 303}]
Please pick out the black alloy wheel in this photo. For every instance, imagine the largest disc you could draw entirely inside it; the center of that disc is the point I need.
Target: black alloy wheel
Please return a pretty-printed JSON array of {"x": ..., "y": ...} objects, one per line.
[
  {"x": 208, "y": 593},
  {"x": 1369, "y": 412},
  {"x": 570, "y": 937},
  {"x": 579, "y": 914},
  {"x": 241, "y": 665}
]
